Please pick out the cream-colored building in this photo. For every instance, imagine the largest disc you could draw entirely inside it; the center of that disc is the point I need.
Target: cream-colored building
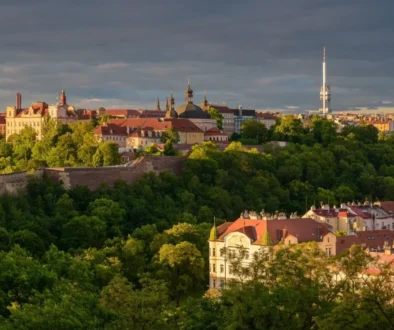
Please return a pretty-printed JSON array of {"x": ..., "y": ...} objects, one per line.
[
  {"x": 351, "y": 218},
  {"x": 253, "y": 234},
  {"x": 34, "y": 116}
]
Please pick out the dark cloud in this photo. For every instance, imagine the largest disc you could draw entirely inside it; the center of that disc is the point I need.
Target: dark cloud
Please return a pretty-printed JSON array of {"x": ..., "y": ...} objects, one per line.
[{"x": 264, "y": 54}]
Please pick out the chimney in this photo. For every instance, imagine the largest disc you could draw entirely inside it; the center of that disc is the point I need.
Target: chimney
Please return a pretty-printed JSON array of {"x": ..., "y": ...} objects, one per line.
[{"x": 18, "y": 101}]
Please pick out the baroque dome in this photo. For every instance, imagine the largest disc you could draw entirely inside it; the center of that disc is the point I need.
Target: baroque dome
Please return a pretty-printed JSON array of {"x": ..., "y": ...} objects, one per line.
[{"x": 190, "y": 110}]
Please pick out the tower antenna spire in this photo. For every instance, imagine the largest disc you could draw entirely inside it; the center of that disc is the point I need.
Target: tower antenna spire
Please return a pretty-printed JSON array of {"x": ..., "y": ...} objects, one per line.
[{"x": 325, "y": 91}]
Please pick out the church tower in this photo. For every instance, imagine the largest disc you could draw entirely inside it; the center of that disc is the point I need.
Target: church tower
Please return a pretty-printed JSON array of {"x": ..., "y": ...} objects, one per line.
[
  {"x": 171, "y": 113},
  {"x": 188, "y": 93},
  {"x": 63, "y": 99}
]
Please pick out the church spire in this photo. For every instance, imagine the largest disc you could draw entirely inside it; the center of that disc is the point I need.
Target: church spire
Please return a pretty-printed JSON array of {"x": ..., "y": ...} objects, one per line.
[
  {"x": 189, "y": 93},
  {"x": 167, "y": 104},
  {"x": 158, "y": 105},
  {"x": 171, "y": 113},
  {"x": 205, "y": 101}
]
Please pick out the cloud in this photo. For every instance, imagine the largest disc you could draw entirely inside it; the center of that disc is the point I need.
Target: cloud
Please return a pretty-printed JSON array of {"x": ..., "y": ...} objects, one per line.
[
  {"x": 110, "y": 66},
  {"x": 263, "y": 54}
]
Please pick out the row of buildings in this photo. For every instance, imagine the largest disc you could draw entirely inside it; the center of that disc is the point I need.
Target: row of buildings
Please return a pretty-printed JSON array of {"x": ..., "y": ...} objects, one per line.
[
  {"x": 369, "y": 225},
  {"x": 16, "y": 118},
  {"x": 383, "y": 122}
]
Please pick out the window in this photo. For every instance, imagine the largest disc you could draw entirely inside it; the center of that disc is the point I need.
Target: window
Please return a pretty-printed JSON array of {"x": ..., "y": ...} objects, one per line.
[
  {"x": 247, "y": 255},
  {"x": 329, "y": 251},
  {"x": 221, "y": 283},
  {"x": 214, "y": 283},
  {"x": 328, "y": 239},
  {"x": 214, "y": 268},
  {"x": 213, "y": 252},
  {"x": 221, "y": 252},
  {"x": 222, "y": 268},
  {"x": 230, "y": 269}
]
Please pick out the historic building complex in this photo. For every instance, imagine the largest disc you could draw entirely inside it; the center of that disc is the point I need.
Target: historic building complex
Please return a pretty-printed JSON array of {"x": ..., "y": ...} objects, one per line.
[
  {"x": 254, "y": 234},
  {"x": 34, "y": 116}
]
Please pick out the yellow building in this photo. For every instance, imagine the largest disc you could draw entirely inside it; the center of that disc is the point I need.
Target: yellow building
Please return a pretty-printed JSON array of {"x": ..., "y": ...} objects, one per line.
[
  {"x": 34, "y": 116},
  {"x": 138, "y": 133}
]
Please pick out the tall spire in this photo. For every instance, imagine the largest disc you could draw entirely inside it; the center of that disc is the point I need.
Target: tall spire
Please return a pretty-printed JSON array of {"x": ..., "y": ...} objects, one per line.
[
  {"x": 188, "y": 93},
  {"x": 171, "y": 113},
  {"x": 205, "y": 101},
  {"x": 63, "y": 99},
  {"x": 158, "y": 105},
  {"x": 167, "y": 104},
  {"x": 325, "y": 91}
]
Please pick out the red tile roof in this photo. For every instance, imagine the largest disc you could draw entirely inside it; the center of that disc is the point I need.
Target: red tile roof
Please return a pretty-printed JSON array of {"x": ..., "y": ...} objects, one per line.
[
  {"x": 387, "y": 206},
  {"x": 130, "y": 113},
  {"x": 184, "y": 125},
  {"x": 372, "y": 239},
  {"x": 149, "y": 124},
  {"x": 38, "y": 107},
  {"x": 305, "y": 229},
  {"x": 214, "y": 131},
  {"x": 265, "y": 115},
  {"x": 360, "y": 213},
  {"x": 110, "y": 129}
]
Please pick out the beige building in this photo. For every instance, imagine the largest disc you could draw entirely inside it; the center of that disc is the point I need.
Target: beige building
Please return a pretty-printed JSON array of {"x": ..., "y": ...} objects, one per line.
[
  {"x": 138, "y": 133},
  {"x": 267, "y": 118},
  {"x": 228, "y": 118},
  {"x": 353, "y": 217},
  {"x": 34, "y": 116},
  {"x": 215, "y": 134},
  {"x": 256, "y": 233}
]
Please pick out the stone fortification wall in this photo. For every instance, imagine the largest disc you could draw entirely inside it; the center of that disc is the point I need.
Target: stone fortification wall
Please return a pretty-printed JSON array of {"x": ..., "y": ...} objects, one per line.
[
  {"x": 94, "y": 176},
  {"x": 16, "y": 182}
]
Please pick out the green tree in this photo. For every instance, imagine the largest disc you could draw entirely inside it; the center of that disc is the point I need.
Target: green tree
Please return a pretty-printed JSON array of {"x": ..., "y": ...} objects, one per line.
[
  {"x": 215, "y": 114},
  {"x": 135, "y": 309},
  {"x": 183, "y": 267},
  {"x": 253, "y": 129},
  {"x": 83, "y": 232},
  {"x": 110, "y": 212},
  {"x": 24, "y": 143}
]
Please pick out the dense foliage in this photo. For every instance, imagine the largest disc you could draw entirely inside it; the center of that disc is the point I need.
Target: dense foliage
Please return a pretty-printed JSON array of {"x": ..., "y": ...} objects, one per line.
[
  {"x": 61, "y": 145},
  {"x": 134, "y": 256}
]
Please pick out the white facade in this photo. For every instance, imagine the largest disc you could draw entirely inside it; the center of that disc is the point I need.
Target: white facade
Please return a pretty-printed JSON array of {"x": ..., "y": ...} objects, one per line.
[{"x": 220, "y": 252}]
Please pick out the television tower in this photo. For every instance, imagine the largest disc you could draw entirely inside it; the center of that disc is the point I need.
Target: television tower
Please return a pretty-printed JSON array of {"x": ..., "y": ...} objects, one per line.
[{"x": 325, "y": 91}]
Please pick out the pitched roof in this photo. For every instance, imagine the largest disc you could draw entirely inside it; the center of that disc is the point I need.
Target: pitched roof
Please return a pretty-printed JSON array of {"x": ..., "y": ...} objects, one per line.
[
  {"x": 372, "y": 239},
  {"x": 184, "y": 125},
  {"x": 265, "y": 115},
  {"x": 222, "y": 109},
  {"x": 214, "y": 131},
  {"x": 388, "y": 206},
  {"x": 305, "y": 229},
  {"x": 149, "y": 124},
  {"x": 110, "y": 129}
]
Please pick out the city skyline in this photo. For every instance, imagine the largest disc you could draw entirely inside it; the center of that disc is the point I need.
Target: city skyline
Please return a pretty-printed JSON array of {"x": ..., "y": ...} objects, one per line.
[{"x": 258, "y": 55}]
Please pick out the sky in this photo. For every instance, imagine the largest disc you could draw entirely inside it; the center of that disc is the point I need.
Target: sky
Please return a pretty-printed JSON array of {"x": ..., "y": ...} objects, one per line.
[{"x": 258, "y": 54}]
